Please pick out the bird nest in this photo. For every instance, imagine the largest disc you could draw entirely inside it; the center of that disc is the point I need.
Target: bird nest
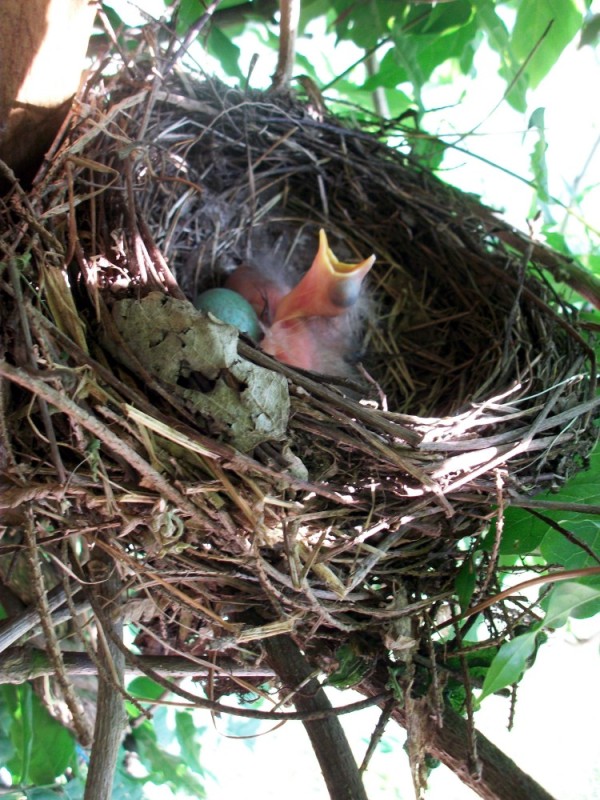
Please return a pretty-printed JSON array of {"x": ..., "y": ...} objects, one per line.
[{"x": 240, "y": 496}]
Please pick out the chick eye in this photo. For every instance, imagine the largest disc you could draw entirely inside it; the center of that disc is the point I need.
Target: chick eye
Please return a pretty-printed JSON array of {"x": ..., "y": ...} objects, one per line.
[{"x": 344, "y": 294}]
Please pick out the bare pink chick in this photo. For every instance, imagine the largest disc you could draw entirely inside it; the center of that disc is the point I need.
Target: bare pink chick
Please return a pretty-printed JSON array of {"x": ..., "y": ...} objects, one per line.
[
  {"x": 308, "y": 327},
  {"x": 264, "y": 294}
]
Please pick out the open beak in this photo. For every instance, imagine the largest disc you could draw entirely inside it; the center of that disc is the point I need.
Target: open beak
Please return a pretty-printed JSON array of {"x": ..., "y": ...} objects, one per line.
[{"x": 328, "y": 289}]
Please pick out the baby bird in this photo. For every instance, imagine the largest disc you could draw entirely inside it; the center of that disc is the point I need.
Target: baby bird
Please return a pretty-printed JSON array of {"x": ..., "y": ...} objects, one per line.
[{"x": 309, "y": 325}]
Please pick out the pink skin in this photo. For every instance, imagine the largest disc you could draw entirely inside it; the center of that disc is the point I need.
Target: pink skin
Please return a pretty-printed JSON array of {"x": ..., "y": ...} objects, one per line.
[
  {"x": 328, "y": 289},
  {"x": 263, "y": 294},
  {"x": 293, "y": 342},
  {"x": 308, "y": 326}
]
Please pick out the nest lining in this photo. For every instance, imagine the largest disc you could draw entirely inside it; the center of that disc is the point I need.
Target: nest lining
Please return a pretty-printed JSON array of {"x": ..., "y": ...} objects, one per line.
[{"x": 364, "y": 514}]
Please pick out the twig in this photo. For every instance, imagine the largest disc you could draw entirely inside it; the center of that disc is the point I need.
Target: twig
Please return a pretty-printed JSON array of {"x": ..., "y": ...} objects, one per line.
[
  {"x": 249, "y": 713},
  {"x": 191, "y": 34},
  {"x": 553, "y": 577},
  {"x": 80, "y": 720},
  {"x": 113, "y": 442},
  {"x": 382, "y": 722},
  {"x": 13, "y": 628}
]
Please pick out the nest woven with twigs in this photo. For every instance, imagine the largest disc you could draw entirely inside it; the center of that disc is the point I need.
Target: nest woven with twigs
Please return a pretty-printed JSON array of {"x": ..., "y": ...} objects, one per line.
[{"x": 352, "y": 511}]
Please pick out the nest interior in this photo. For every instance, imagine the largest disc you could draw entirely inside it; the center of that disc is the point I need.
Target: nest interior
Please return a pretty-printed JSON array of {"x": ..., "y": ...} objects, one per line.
[{"x": 355, "y": 514}]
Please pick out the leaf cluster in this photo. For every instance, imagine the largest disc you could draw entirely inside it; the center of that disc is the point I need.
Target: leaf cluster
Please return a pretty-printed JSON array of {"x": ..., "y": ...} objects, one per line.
[{"x": 45, "y": 762}]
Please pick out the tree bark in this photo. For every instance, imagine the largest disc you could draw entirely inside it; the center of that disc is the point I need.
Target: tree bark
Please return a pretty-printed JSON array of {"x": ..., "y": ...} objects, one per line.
[
  {"x": 327, "y": 736},
  {"x": 44, "y": 43}
]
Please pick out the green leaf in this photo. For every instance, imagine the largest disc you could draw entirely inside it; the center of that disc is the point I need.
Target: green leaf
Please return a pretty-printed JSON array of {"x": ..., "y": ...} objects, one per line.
[
  {"x": 398, "y": 102},
  {"x": 189, "y": 11},
  {"x": 557, "y": 548},
  {"x": 7, "y": 749},
  {"x": 352, "y": 668},
  {"x": 420, "y": 55},
  {"x": 539, "y": 166},
  {"x": 145, "y": 688},
  {"x": 446, "y": 16},
  {"x": 389, "y": 74},
  {"x": 364, "y": 23},
  {"x": 570, "y": 599},
  {"x": 533, "y": 19},
  {"x": 509, "y": 664},
  {"x": 43, "y": 748},
  {"x": 557, "y": 241},
  {"x": 465, "y": 583},
  {"x": 187, "y": 736},
  {"x": 226, "y": 51},
  {"x": 112, "y": 16},
  {"x": 524, "y": 532},
  {"x": 164, "y": 768}
]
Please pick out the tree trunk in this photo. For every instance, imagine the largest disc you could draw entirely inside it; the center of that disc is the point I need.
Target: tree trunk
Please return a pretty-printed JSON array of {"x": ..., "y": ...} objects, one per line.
[{"x": 44, "y": 43}]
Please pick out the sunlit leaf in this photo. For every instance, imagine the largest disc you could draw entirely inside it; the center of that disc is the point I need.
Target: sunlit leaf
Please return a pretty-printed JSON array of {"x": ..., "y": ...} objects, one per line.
[
  {"x": 465, "y": 583},
  {"x": 546, "y": 26},
  {"x": 566, "y": 548},
  {"x": 557, "y": 241},
  {"x": 570, "y": 599},
  {"x": 509, "y": 664},
  {"x": 220, "y": 46},
  {"x": 43, "y": 748}
]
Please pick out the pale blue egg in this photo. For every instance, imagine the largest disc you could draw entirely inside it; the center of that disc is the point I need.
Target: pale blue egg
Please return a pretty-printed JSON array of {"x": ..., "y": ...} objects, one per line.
[{"x": 230, "y": 307}]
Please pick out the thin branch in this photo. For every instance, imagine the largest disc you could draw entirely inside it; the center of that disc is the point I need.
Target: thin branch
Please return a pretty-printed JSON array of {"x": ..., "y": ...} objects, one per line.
[
  {"x": 250, "y": 713},
  {"x": 13, "y": 628},
  {"x": 21, "y": 664},
  {"x": 80, "y": 720},
  {"x": 541, "y": 580},
  {"x": 289, "y": 11}
]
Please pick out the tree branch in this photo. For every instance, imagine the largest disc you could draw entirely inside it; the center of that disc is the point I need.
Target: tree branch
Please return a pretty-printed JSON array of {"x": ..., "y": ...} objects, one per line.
[
  {"x": 110, "y": 711},
  {"x": 499, "y": 778},
  {"x": 327, "y": 736},
  {"x": 288, "y": 28},
  {"x": 20, "y": 664},
  {"x": 13, "y": 628}
]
